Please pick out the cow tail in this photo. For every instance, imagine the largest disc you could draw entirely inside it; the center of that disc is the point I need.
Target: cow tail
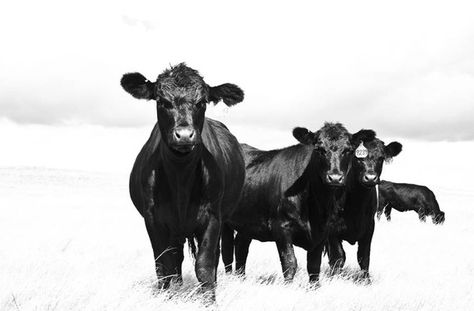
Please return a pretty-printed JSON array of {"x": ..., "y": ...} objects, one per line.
[{"x": 192, "y": 247}]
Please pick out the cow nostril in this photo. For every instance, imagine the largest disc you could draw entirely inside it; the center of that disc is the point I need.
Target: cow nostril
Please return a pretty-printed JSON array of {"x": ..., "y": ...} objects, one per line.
[
  {"x": 370, "y": 177},
  {"x": 333, "y": 178},
  {"x": 177, "y": 134},
  {"x": 191, "y": 134}
]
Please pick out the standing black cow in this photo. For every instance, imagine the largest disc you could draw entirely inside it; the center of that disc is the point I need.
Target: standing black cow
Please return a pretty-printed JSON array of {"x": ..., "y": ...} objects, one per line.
[
  {"x": 290, "y": 196},
  {"x": 408, "y": 197},
  {"x": 361, "y": 202},
  {"x": 188, "y": 176}
]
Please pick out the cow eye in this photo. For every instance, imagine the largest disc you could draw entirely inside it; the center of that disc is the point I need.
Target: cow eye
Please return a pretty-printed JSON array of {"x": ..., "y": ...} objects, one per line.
[
  {"x": 165, "y": 103},
  {"x": 200, "y": 104},
  {"x": 319, "y": 149}
]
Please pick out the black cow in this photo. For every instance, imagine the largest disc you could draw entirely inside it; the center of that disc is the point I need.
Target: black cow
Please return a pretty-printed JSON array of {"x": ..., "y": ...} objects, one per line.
[
  {"x": 188, "y": 176},
  {"x": 290, "y": 196},
  {"x": 408, "y": 197},
  {"x": 361, "y": 202}
]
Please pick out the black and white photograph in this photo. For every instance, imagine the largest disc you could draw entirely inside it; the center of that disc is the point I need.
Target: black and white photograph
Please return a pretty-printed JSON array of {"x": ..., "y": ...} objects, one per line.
[{"x": 236, "y": 155}]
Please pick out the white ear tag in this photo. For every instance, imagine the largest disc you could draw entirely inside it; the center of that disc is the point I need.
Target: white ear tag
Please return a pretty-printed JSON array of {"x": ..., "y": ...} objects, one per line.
[{"x": 361, "y": 151}]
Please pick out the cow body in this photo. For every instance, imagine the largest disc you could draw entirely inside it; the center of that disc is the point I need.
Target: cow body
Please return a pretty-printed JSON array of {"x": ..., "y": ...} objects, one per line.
[
  {"x": 358, "y": 226},
  {"x": 289, "y": 198},
  {"x": 408, "y": 197},
  {"x": 179, "y": 196},
  {"x": 188, "y": 177},
  {"x": 360, "y": 205}
]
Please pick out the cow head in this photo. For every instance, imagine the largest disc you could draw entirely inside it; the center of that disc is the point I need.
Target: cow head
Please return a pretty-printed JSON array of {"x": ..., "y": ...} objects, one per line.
[
  {"x": 333, "y": 150},
  {"x": 370, "y": 155},
  {"x": 181, "y": 97}
]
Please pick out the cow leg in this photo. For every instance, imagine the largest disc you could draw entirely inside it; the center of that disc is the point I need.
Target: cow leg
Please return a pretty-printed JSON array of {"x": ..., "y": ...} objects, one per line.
[
  {"x": 218, "y": 254},
  {"x": 168, "y": 258},
  {"x": 422, "y": 214},
  {"x": 438, "y": 218},
  {"x": 313, "y": 263},
  {"x": 179, "y": 257},
  {"x": 379, "y": 213},
  {"x": 227, "y": 247},
  {"x": 206, "y": 258},
  {"x": 287, "y": 257},
  {"x": 387, "y": 212},
  {"x": 241, "y": 251},
  {"x": 336, "y": 254},
  {"x": 363, "y": 251}
]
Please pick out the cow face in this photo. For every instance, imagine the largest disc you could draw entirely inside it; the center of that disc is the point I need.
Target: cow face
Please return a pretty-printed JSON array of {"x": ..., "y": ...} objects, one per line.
[
  {"x": 333, "y": 151},
  {"x": 181, "y": 97},
  {"x": 368, "y": 165}
]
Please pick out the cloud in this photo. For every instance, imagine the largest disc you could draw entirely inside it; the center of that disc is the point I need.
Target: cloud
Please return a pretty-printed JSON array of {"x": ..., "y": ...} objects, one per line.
[{"x": 404, "y": 69}]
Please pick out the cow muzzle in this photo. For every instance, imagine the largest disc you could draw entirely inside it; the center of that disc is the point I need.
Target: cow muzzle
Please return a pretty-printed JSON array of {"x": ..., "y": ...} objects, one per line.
[
  {"x": 335, "y": 179},
  {"x": 370, "y": 179},
  {"x": 184, "y": 139}
]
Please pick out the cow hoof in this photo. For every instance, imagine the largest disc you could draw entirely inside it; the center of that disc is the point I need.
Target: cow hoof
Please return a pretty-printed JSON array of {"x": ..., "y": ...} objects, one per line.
[
  {"x": 315, "y": 285},
  {"x": 364, "y": 278}
]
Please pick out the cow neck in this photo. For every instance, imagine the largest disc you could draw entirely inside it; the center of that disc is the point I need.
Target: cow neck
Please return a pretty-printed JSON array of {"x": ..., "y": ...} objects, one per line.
[
  {"x": 180, "y": 161},
  {"x": 330, "y": 201},
  {"x": 359, "y": 195},
  {"x": 182, "y": 174}
]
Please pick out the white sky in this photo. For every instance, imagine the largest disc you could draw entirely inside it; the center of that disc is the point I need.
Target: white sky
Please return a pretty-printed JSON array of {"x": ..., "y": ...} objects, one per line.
[{"x": 403, "y": 68}]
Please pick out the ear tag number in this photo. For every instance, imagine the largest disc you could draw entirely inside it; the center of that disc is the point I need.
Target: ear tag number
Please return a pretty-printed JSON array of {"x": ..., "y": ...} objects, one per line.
[{"x": 361, "y": 152}]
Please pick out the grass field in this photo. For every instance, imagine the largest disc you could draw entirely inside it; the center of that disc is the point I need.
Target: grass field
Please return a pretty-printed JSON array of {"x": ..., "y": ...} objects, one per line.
[{"x": 72, "y": 240}]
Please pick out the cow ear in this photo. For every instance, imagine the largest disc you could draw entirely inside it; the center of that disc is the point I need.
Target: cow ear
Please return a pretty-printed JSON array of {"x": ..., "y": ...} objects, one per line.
[
  {"x": 229, "y": 93},
  {"x": 392, "y": 149},
  {"x": 138, "y": 86},
  {"x": 303, "y": 135},
  {"x": 362, "y": 136}
]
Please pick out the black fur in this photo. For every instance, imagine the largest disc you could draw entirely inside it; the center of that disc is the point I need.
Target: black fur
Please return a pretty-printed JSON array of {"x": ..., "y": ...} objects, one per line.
[
  {"x": 303, "y": 135},
  {"x": 184, "y": 188},
  {"x": 360, "y": 204},
  {"x": 408, "y": 197},
  {"x": 287, "y": 199},
  {"x": 229, "y": 93},
  {"x": 138, "y": 86},
  {"x": 363, "y": 136},
  {"x": 393, "y": 149}
]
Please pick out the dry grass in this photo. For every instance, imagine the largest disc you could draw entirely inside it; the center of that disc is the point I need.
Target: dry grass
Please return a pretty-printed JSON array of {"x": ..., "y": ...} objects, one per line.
[{"x": 71, "y": 240}]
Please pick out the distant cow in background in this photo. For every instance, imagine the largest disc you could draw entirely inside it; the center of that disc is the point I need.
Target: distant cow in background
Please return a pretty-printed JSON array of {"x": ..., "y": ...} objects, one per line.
[
  {"x": 291, "y": 196},
  {"x": 408, "y": 197},
  {"x": 188, "y": 177},
  {"x": 360, "y": 203}
]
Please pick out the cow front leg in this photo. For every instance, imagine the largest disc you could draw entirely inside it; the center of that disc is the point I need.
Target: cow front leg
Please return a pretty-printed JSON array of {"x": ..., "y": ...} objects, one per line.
[
  {"x": 207, "y": 255},
  {"x": 313, "y": 263},
  {"x": 227, "y": 247},
  {"x": 165, "y": 257},
  {"x": 287, "y": 257},
  {"x": 168, "y": 258},
  {"x": 336, "y": 254},
  {"x": 422, "y": 214},
  {"x": 363, "y": 252},
  {"x": 242, "y": 244}
]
